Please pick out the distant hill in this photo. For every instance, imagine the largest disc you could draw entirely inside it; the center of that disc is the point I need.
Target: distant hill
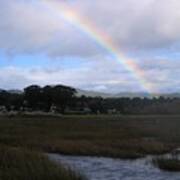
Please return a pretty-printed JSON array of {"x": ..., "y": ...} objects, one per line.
[
  {"x": 126, "y": 94},
  {"x": 171, "y": 95},
  {"x": 15, "y": 91},
  {"x": 81, "y": 92},
  {"x": 12, "y": 91},
  {"x": 133, "y": 95}
]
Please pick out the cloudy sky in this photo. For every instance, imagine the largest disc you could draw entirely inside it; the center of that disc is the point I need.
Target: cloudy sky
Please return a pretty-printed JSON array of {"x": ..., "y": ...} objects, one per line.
[{"x": 40, "y": 45}]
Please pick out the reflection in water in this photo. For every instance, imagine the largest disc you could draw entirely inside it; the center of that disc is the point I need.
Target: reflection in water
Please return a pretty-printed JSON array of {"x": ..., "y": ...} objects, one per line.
[{"x": 96, "y": 168}]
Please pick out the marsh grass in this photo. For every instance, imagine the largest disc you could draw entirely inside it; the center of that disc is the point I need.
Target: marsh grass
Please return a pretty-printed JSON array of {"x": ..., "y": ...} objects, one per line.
[
  {"x": 21, "y": 164},
  {"x": 100, "y": 135},
  {"x": 167, "y": 164},
  {"x": 22, "y": 137}
]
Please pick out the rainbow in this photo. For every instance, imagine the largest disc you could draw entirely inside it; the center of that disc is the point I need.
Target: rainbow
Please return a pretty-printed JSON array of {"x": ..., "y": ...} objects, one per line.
[{"x": 73, "y": 17}]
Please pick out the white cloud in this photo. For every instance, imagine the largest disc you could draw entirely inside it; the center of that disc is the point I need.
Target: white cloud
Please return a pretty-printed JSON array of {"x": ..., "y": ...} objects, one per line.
[
  {"x": 101, "y": 75},
  {"x": 27, "y": 27}
]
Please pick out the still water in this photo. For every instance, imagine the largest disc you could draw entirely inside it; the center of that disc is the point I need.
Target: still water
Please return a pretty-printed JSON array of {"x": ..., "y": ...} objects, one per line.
[{"x": 96, "y": 168}]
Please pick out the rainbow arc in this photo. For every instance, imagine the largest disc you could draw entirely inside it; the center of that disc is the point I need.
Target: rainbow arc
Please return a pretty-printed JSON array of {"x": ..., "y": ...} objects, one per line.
[{"x": 73, "y": 17}]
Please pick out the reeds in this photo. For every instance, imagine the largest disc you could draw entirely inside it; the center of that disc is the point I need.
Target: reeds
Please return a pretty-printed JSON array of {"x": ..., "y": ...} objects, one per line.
[{"x": 21, "y": 164}]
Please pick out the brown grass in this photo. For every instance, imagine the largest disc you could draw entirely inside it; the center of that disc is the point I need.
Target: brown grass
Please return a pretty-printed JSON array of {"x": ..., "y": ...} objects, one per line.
[{"x": 114, "y": 136}]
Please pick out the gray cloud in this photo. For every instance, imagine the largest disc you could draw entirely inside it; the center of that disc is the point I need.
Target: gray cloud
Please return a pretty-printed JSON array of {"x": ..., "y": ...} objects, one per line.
[
  {"x": 147, "y": 24},
  {"x": 29, "y": 27}
]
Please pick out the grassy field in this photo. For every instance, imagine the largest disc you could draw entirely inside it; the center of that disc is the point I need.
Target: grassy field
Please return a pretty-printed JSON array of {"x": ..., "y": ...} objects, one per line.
[{"x": 113, "y": 136}]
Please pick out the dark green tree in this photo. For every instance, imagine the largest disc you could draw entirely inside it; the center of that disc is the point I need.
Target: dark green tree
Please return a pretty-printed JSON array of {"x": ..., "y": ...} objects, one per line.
[
  {"x": 33, "y": 96},
  {"x": 62, "y": 96}
]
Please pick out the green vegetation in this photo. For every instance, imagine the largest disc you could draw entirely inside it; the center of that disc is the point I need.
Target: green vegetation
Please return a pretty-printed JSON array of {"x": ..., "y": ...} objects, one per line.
[
  {"x": 113, "y": 136},
  {"x": 167, "y": 164},
  {"x": 20, "y": 164}
]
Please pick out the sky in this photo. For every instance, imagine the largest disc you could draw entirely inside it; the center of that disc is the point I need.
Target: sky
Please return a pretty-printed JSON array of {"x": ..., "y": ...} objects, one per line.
[{"x": 88, "y": 43}]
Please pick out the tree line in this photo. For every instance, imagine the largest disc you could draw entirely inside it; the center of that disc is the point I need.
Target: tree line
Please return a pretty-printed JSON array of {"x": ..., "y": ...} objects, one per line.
[
  {"x": 64, "y": 99},
  {"x": 35, "y": 98}
]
